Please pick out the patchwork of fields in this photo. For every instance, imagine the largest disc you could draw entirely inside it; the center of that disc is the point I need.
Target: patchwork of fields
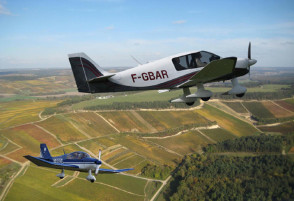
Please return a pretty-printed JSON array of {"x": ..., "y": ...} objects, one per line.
[{"x": 128, "y": 139}]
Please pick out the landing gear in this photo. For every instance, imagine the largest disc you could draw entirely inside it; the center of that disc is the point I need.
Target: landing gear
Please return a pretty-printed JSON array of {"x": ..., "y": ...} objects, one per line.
[
  {"x": 237, "y": 89},
  {"x": 61, "y": 175},
  {"x": 90, "y": 177},
  {"x": 201, "y": 93}
]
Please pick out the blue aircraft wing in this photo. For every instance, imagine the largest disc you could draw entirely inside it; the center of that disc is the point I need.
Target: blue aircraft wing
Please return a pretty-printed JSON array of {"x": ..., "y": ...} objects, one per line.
[
  {"x": 101, "y": 170},
  {"x": 45, "y": 163}
]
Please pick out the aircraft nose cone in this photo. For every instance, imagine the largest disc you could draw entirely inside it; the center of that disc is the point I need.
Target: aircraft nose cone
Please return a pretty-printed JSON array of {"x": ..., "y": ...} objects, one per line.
[{"x": 252, "y": 62}]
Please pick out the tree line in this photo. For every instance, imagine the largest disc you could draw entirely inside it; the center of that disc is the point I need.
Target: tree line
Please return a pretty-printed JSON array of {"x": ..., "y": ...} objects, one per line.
[{"x": 222, "y": 177}]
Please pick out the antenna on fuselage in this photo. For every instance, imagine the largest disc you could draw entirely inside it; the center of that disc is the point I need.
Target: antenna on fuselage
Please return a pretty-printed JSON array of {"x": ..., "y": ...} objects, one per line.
[
  {"x": 136, "y": 60},
  {"x": 63, "y": 151}
]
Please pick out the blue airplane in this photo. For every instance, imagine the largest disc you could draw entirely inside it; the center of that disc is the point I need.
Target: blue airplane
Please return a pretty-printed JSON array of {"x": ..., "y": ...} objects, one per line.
[{"x": 76, "y": 161}]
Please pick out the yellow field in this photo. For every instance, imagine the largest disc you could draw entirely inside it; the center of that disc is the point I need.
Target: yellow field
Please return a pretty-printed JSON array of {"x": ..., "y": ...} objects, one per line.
[
  {"x": 125, "y": 121},
  {"x": 62, "y": 128},
  {"x": 21, "y": 112},
  {"x": 185, "y": 143}
]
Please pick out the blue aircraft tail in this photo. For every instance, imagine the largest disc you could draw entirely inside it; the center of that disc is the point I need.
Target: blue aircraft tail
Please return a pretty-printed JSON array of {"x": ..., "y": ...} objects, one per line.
[{"x": 45, "y": 152}]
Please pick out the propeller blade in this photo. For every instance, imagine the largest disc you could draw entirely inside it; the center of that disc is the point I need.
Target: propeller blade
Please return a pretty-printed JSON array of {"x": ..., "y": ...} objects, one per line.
[
  {"x": 99, "y": 156},
  {"x": 249, "y": 51},
  {"x": 97, "y": 169}
]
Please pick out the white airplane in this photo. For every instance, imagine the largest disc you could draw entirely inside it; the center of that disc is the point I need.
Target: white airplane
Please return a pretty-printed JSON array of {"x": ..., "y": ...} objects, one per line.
[{"x": 180, "y": 71}]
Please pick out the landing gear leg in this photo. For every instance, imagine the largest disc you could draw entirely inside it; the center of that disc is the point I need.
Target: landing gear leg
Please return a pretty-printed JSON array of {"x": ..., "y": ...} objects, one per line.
[
  {"x": 90, "y": 177},
  {"x": 61, "y": 175}
]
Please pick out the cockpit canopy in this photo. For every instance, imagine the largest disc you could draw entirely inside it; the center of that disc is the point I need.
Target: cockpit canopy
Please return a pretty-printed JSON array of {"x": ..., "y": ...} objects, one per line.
[
  {"x": 194, "y": 60},
  {"x": 77, "y": 155}
]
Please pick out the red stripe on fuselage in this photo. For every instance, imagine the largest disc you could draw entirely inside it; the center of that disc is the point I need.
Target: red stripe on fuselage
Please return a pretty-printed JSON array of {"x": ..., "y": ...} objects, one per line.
[{"x": 177, "y": 81}]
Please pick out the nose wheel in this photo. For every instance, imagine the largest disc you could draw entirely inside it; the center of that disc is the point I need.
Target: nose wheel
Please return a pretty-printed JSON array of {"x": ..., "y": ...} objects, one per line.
[{"x": 240, "y": 95}]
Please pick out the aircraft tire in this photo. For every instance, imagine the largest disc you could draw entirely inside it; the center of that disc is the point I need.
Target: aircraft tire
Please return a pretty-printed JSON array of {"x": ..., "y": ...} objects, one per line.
[
  {"x": 190, "y": 103},
  {"x": 240, "y": 95},
  {"x": 61, "y": 177},
  {"x": 92, "y": 180},
  {"x": 205, "y": 98}
]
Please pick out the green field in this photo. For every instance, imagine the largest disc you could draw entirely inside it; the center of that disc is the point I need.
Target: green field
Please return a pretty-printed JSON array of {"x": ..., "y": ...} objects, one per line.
[
  {"x": 227, "y": 121},
  {"x": 236, "y": 106},
  {"x": 29, "y": 138},
  {"x": 151, "y": 188},
  {"x": 128, "y": 183},
  {"x": 91, "y": 123},
  {"x": 258, "y": 110},
  {"x": 130, "y": 162},
  {"x": 36, "y": 183},
  {"x": 218, "y": 134},
  {"x": 263, "y": 89},
  {"x": 62, "y": 128},
  {"x": 67, "y": 149},
  {"x": 147, "y": 150},
  {"x": 145, "y": 96},
  {"x": 7, "y": 169}
]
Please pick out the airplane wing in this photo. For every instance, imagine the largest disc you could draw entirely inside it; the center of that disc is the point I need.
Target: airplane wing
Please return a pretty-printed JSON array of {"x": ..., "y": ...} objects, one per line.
[
  {"x": 101, "y": 170},
  {"x": 213, "y": 71},
  {"x": 42, "y": 162}
]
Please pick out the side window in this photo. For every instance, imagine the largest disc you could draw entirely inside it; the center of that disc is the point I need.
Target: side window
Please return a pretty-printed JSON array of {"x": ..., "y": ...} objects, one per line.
[{"x": 181, "y": 63}]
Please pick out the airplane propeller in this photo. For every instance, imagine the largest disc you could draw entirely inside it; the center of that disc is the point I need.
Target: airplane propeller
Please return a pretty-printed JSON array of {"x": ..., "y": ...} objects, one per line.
[
  {"x": 98, "y": 165},
  {"x": 250, "y": 61}
]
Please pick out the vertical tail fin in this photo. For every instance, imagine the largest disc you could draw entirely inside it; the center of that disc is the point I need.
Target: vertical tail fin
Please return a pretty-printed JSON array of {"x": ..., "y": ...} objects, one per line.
[
  {"x": 84, "y": 69},
  {"x": 45, "y": 152}
]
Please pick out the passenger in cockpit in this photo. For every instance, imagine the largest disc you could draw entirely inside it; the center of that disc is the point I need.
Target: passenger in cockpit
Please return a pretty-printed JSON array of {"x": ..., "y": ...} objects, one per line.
[{"x": 198, "y": 60}]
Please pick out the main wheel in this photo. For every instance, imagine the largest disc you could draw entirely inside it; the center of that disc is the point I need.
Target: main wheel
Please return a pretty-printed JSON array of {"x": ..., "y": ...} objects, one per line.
[
  {"x": 92, "y": 180},
  {"x": 190, "y": 103},
  {"x": 240, "y": 95},
  {"x": 205, "y": 98},
  {"x": 61, "y": 177}
]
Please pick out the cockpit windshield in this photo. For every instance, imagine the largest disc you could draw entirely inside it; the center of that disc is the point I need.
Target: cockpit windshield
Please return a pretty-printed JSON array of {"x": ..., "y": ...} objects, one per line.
[
  {"x": 77, "y": 155},
  {"x": 194, "y": 60}
]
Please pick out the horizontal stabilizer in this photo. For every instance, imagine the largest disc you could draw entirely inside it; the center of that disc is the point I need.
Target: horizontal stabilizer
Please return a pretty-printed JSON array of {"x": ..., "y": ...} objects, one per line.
[
  {"x": 45, "y": 163},
  {"x": 214, "y": 70},
  {"x": 114, "y": 171},
  {"x": 100, "y": 79}
]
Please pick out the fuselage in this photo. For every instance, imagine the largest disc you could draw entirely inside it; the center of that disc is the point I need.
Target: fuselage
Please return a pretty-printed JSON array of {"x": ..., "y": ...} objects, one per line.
[{"x": 84, "y": 162}]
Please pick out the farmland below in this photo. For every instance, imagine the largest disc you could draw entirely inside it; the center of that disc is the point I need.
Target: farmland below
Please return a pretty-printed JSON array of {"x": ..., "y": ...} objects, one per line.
[{"x": 139, "y": 130}]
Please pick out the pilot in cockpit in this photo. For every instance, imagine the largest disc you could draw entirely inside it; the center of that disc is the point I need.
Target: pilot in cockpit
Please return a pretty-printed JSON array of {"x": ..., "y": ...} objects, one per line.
[{"x": 198, "y": 60}]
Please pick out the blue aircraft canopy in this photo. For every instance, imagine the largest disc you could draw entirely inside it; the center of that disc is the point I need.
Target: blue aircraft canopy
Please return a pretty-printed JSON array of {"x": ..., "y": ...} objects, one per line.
[{"x": 77, "y": 155}]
